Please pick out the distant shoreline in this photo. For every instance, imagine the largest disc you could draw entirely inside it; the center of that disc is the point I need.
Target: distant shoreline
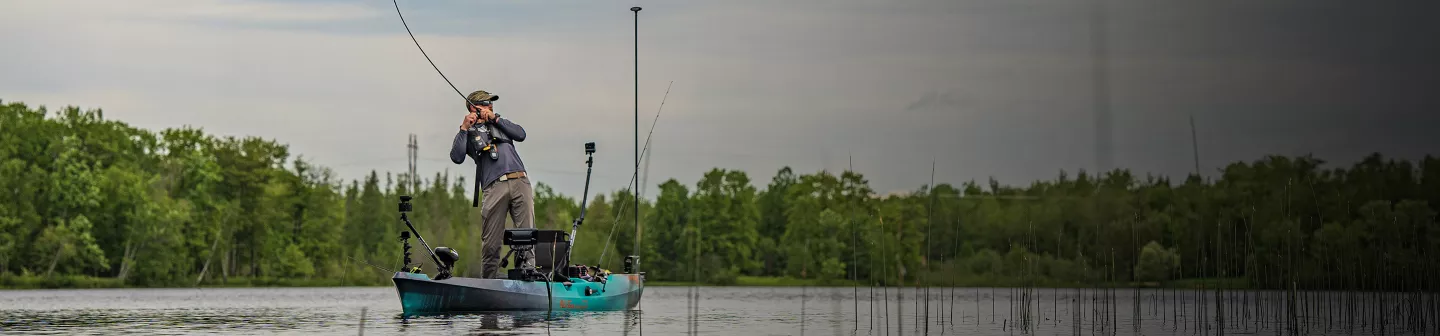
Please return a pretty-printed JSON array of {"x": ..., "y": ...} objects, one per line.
[{"x": 12, "y": 282}]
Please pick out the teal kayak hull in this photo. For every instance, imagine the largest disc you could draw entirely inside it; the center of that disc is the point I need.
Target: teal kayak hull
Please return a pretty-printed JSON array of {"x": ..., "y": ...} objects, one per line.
[{"x": 421, "y": 295}]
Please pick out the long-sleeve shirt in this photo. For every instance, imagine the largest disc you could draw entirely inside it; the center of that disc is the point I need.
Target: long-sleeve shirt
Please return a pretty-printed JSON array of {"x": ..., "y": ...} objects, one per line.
[{"x": 508, "y": 161}]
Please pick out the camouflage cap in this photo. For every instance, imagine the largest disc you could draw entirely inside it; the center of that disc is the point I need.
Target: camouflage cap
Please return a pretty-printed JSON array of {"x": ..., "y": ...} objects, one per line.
[{"x": 480, "y": 95}]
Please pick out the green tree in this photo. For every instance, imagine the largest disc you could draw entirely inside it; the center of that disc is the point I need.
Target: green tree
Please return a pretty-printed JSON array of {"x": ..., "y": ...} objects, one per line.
[{"x": 1156, "y": 263}]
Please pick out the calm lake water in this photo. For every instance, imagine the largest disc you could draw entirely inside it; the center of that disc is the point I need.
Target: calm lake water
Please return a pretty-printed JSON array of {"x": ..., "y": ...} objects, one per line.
[{"x": 745, "y": 311}]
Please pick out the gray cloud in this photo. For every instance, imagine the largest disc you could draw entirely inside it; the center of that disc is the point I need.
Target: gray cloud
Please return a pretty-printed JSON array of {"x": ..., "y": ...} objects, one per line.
[{"x": 985, "y": 88}]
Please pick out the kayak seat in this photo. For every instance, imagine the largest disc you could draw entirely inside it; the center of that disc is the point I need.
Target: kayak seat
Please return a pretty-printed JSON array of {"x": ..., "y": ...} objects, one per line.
[{"x": 551, "y": 250}]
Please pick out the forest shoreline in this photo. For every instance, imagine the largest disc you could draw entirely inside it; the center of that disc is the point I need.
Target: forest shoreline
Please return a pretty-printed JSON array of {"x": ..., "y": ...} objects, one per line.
[
  {"x": 32, "y": 282},
  {"x": 92, "y": 201}
]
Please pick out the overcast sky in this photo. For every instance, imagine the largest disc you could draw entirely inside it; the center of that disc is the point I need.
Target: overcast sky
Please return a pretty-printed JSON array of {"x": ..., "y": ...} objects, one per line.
[{"x": 984, "y": 88}]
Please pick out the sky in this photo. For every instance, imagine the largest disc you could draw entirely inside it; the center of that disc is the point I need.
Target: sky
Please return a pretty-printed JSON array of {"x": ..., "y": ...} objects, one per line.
[{"x": 981, "y": 88}]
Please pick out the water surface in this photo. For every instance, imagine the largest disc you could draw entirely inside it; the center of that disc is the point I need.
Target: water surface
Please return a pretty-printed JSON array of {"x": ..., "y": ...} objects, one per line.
[{"x": 748, "y": 311}]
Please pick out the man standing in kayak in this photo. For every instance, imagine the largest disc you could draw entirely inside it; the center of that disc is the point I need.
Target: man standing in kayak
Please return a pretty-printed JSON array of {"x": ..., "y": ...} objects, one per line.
[{"x": 487, "y": 138}]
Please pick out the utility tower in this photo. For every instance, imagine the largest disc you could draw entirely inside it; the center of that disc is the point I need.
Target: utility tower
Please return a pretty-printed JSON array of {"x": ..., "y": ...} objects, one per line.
[{"x": 413, "y": 156}]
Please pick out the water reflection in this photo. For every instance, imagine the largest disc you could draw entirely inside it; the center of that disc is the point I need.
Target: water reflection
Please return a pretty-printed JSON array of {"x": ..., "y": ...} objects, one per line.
[{"x": 499, "y": 323}]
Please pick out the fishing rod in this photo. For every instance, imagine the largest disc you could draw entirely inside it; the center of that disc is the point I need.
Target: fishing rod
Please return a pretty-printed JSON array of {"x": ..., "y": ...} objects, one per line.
[
  {"x": 644, "y": 154},
  {"x": 427, "y": 56},
  {"x": 387, "y": 270}
]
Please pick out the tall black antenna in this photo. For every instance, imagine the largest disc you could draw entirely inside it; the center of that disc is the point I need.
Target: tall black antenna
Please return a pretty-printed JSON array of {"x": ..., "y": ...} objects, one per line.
[{"x": 635, "y": 190}]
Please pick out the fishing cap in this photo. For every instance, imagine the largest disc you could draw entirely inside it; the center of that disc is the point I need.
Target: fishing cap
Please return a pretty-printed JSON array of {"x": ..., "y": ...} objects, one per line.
[{"x": 480, "y": 95}]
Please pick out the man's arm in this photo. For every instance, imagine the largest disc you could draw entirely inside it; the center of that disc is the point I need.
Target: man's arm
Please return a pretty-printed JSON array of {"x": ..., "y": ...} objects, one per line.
[
  {"x": 511, "y": 129},
  {"x": 457, "y": 150}
]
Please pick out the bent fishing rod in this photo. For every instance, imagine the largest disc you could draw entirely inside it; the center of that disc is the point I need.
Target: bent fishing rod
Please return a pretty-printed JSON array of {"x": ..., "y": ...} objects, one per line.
[
  {"x": 476, "y": 198},
  {"x": 427, "y": 56}
]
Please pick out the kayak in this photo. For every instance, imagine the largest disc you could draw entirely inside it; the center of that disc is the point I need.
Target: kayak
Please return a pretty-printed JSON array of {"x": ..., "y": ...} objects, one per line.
[
  {"x": 547, "y": 282},
  {"x": 421, "y": 295}
]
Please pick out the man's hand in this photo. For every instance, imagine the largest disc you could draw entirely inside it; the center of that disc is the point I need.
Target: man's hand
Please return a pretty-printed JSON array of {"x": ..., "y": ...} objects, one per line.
[
  {"x": 470, "y": 120},
  {"x": 487, "y": 114}
]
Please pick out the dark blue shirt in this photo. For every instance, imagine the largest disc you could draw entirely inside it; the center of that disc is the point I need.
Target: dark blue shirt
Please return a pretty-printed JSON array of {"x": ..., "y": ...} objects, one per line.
[{"x": 507, "y": 161}]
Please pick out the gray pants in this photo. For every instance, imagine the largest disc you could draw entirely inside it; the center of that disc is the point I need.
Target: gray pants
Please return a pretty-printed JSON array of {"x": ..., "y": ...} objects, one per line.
[{"x": 514, "y": 197}]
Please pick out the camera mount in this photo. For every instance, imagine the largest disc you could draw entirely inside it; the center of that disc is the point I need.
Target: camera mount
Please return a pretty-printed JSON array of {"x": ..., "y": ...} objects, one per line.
[
  {"x": 405, "y": 208},
  {"x": 589, "y": 165}
]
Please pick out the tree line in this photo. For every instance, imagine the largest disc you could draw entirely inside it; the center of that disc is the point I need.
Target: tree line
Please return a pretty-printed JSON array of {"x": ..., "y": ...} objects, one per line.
[{"x": 81, "y": 195}]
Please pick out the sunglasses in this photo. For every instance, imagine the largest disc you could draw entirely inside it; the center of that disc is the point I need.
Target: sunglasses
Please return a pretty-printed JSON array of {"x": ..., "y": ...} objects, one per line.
[{"x": 479, "y": 103}]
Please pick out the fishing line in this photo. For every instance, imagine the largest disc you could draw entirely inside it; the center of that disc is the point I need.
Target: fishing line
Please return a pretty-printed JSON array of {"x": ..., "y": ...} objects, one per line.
[
  {"x": 804, "y": 286},
  {"x": 929, "y": 223},
  {"x": 884, "y": 272},
  {"x": 371, "y": 265},
  {"x": 854, "y": 258},
  {"x": 699, "y": 235},
  {"x": 549, "y": 298},
  {"x": 643, "y": 153}
]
